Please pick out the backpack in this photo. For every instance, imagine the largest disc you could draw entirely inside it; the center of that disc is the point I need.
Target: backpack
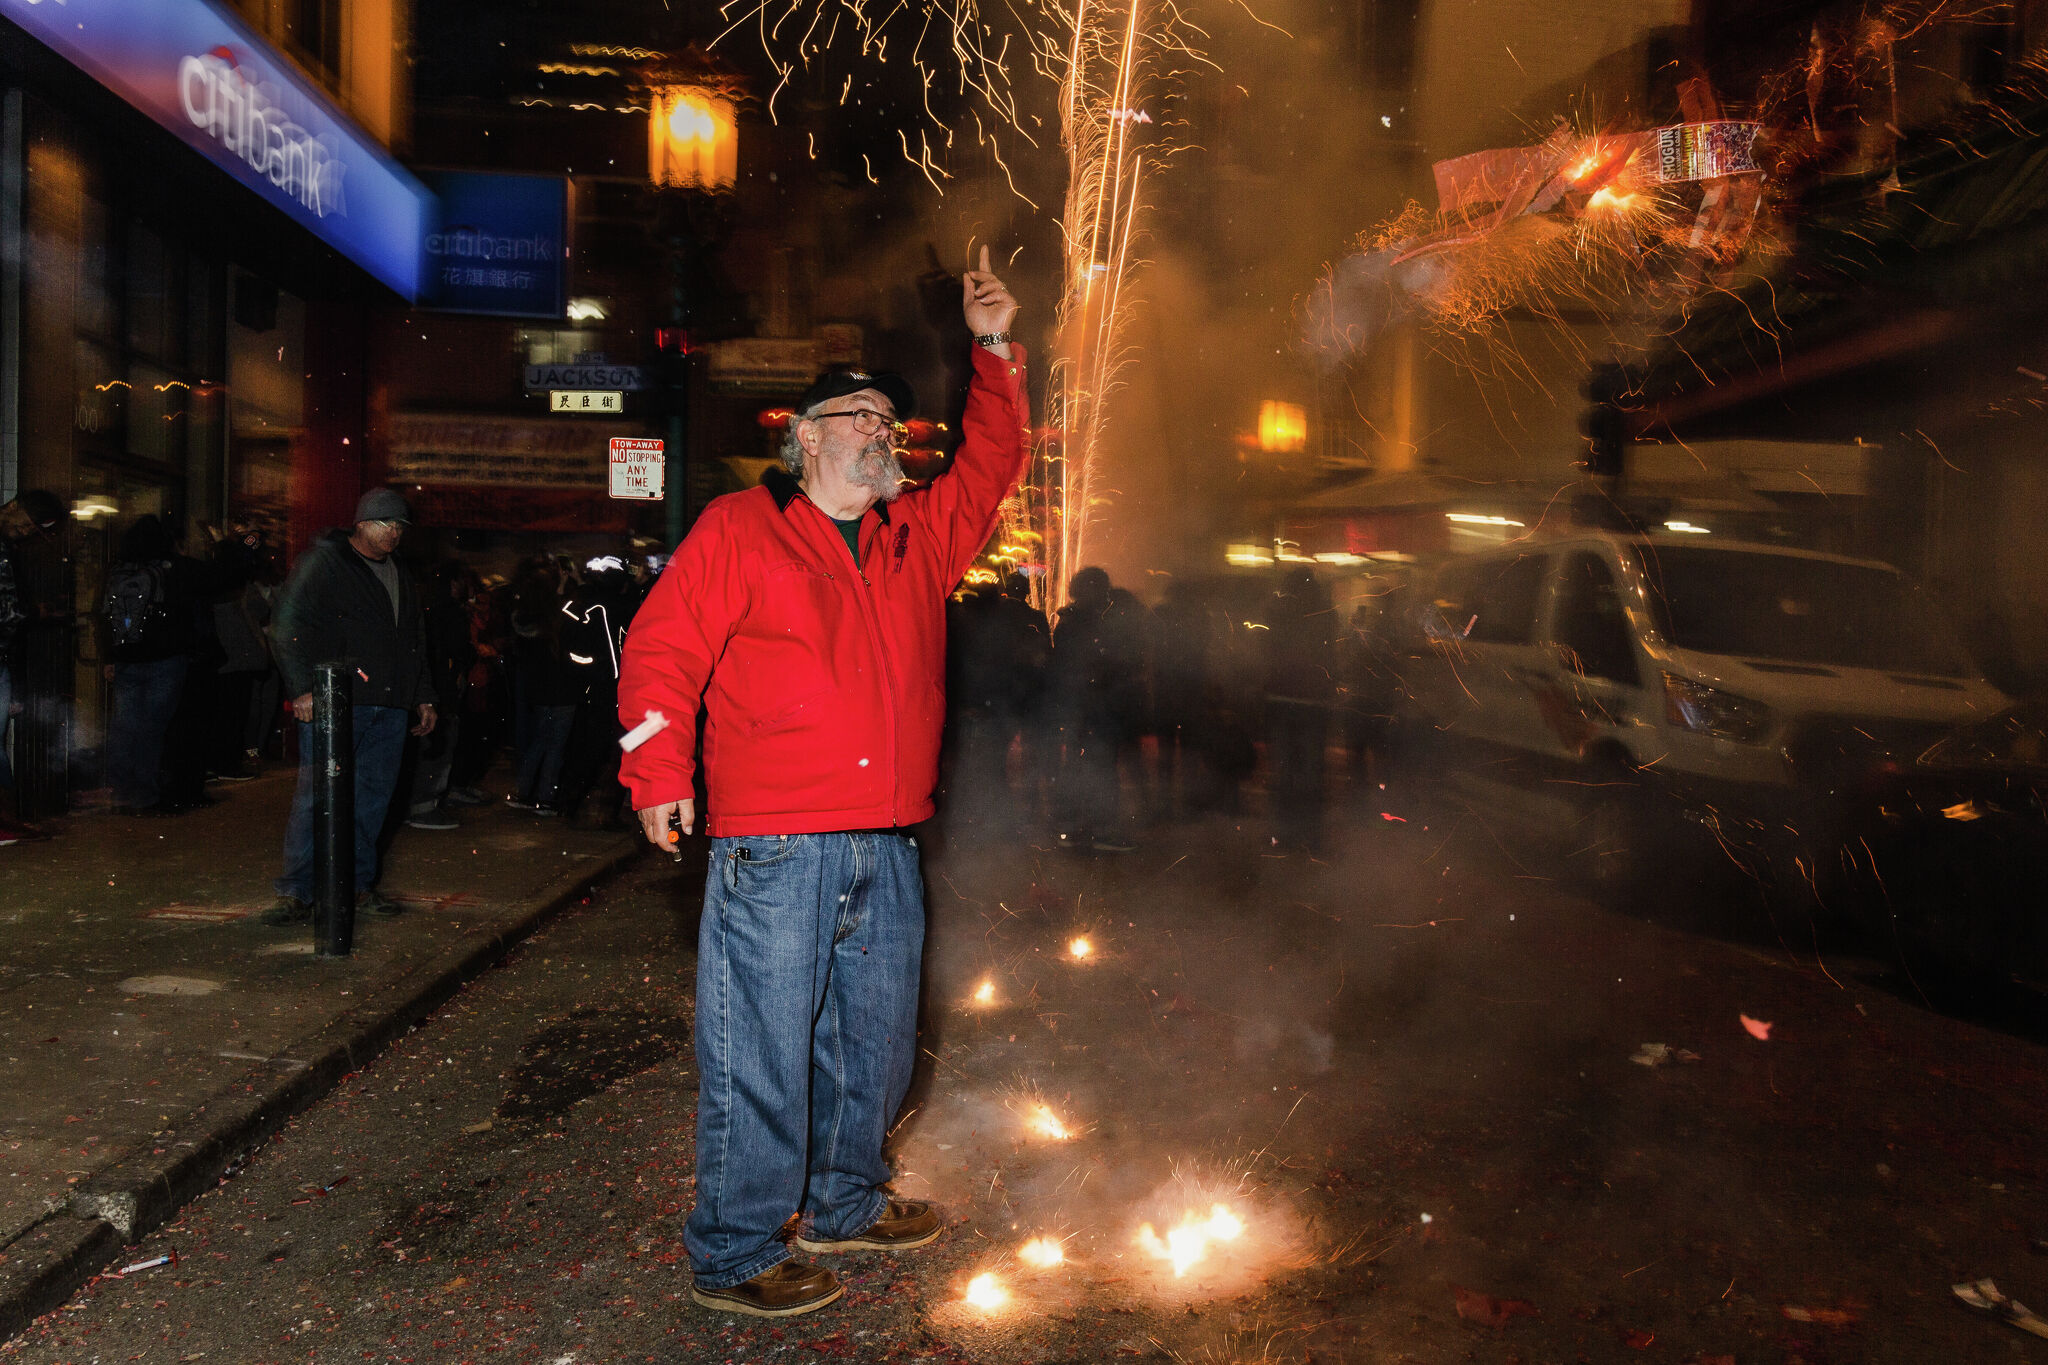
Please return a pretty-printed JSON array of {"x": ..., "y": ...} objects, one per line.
[{"x": 138, "y": 608}]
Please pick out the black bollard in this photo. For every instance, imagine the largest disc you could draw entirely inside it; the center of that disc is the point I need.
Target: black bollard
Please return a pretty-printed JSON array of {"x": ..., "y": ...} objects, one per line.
[{"x": 334, "y": 813}]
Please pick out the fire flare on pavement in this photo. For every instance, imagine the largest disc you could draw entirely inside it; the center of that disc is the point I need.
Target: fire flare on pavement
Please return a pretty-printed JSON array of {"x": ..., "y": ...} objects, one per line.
[
  {"x": 1042, "y": 1253},
  {"x": 1187, "y": 1244},
  {"x": 1042, "y": 1122},
  {"x": 1080, "y": 949},
  {"x": 986, "y": 1292}
]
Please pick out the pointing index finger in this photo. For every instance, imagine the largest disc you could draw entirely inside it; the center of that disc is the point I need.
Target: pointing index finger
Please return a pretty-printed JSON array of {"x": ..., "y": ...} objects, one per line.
[{"x": 984, "y": 260}]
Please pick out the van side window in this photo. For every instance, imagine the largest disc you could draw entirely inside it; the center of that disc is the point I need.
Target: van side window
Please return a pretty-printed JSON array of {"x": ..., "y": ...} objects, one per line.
[
  {"x": 1593, "y": 626},
  {"x": 1453, "y": 600},
  {"x": 1506, "y": 601}
]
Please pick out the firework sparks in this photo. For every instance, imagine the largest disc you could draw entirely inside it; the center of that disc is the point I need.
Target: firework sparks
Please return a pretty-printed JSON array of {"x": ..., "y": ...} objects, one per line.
[
  {"x": 1099, "y": 63},
  {"x": 1042, "y": 1253},
  {"x": 984, "y": 993},
  {"x": 1616, "y": 220},
  {"x": 1041, "y": 1121},
  {"x": 1187, "y": 1244},
  {"x": 1100, "y": 78},
  {"x": 1080, "y": 949},
  {"x": 986, "y": 1292}
]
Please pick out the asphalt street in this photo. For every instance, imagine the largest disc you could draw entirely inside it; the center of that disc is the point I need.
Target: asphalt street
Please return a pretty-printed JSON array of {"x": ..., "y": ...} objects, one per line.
[{"x": 1415, "y": 1100}]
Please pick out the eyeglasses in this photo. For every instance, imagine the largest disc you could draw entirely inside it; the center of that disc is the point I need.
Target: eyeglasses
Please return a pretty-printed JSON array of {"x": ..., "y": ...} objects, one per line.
[{"x": 867, "y": 422}]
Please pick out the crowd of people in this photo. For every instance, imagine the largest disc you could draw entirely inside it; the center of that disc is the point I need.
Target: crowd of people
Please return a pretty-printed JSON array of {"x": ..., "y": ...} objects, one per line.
[
  {"x": 34, "y": 515},
  {"x": 1110, "y": 718},
  {"x": 524, "y": 666},
  {"x": 1119, "y": 716}
]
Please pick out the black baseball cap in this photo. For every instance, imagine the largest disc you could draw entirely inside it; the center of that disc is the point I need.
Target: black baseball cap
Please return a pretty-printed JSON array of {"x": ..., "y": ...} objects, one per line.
[
  {"x": 839, "y": 383},
  {"x": 383, "y": 504}
]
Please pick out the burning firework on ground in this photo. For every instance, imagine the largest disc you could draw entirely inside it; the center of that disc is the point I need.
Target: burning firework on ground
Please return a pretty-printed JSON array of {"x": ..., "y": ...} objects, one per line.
[
  {"x": 986, "y": 1292},
  {"x": 1080, "y": 948},
  {"x": 1046, "y": 1124},
  {"x": 1042, "y": 1253},
  {"x": 983, "y": 996},
  {"x": 1188, "y": 1243},
  {"x": 1039, "y": 1119}
]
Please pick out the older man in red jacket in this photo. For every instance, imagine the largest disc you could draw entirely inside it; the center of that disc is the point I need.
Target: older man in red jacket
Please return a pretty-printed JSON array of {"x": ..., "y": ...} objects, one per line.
[{"x": 807, "y": 616}]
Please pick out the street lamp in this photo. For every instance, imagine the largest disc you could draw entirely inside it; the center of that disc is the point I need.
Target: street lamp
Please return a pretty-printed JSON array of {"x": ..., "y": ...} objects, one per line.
[
  {"x": 1283, "y": 428},
  {"x": 693, "y": 153},
  {"x": 692, "y": 139}
]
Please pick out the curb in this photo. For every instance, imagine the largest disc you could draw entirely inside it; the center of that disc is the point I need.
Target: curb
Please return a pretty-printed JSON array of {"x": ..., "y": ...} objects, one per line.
[{"x": 130, "y": 1199}]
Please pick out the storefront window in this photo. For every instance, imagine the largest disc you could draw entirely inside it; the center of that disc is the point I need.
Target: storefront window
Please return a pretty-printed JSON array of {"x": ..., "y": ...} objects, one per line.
[
  {"x": 156, "y": 414},
  {"x": 265, "y": 402}
]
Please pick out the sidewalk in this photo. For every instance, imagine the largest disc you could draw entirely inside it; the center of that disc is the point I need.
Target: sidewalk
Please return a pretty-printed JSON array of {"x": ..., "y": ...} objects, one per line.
[{"x": 153, "y": 1029}]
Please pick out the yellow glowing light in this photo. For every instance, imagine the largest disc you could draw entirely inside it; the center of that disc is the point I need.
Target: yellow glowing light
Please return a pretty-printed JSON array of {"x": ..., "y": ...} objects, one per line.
[
  {"x": 1080, "y": 948},
  {"x": 985, "y": 993},
  {"x": 1042, "y": 1121},
  {"x": 1247, "y": 556},
  {"x": 1283, "y": 427},
  {"x": 1042, "y": 1252},
  {"x": 1606, "y": 198},
  {"x": 986, "y": 1292},
  {"x": 692, "y": 139},
  {"x": 1187, "y": 1244},
  {"x": 1586, "y": 167}
]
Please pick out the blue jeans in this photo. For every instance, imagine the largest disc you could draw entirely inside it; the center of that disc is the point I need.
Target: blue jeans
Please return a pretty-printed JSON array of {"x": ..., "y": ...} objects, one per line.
[
  {"x": 807, "y": 969},
  {"x": 379, "y": 745},
  {"x": 145, "y": 698}
]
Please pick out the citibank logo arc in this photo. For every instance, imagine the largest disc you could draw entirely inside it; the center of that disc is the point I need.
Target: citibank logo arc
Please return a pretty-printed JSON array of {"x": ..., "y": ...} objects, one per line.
[{"x": 247, "y": 119}]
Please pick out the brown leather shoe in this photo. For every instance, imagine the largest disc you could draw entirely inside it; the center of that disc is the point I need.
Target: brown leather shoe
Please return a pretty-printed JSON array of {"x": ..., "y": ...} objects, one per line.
[
  {"x": 780, "y": 1291},
  {"x": 905, "y": 1223}
]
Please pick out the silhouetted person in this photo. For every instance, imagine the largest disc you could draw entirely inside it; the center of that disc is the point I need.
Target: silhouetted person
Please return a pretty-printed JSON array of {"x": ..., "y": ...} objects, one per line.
[
  {"x": 149, "y": 611},
  {"x": 349, "y": 601},
  {"x": 1000, "y": 652},
  {"x": 1299, "y": 688},
  {"x": 1179, "y": 673},
  {"x": 1365, "y": 679},
  {"x": 549, "y": 688},
  {"x": 36, "y": 516},
  {"x": 451, "y": 653},
  {"x": 1088, "y": 796},
  {"x": 593, "y": 634},
  {"x": 1129, "y": 641}
]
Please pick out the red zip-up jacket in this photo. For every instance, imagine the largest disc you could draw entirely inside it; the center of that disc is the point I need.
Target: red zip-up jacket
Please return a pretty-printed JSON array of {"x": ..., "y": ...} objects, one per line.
[{"x": 823, "y": 685}]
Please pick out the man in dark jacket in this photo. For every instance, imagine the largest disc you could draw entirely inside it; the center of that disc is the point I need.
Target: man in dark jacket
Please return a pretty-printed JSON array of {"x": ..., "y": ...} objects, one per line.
[{"x": 349, "y": 602}]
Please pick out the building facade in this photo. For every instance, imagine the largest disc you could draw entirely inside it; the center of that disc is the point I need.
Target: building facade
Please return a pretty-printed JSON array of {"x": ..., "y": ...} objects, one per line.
[{"x": 199, "y": 209}]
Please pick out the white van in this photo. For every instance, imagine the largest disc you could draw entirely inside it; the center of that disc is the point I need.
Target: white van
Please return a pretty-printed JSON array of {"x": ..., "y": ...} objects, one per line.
[{"x": 1751, "y": 684}]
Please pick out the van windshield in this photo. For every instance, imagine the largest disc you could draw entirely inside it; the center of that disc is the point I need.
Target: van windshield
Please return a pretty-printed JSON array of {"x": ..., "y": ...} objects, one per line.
[{"x": 1783, "y": 607}]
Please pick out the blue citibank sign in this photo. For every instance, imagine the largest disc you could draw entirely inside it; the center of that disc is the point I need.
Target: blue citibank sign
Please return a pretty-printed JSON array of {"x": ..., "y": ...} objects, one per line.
[
  {"x": 499, "y": 244},
  {"x": 199, "y": 72}
]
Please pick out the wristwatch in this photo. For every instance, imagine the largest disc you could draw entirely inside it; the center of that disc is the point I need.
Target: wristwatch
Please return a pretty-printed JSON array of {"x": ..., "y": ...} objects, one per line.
[{"x": 991, "y": 338}]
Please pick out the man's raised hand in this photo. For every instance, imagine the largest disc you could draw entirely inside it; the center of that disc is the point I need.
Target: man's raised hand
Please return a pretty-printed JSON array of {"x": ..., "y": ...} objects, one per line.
[{"x": 986, "y": 303}]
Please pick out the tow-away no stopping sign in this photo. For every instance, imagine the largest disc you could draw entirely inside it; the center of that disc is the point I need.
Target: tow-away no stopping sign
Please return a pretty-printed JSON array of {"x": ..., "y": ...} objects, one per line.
[{"x": 637, "y": 467}]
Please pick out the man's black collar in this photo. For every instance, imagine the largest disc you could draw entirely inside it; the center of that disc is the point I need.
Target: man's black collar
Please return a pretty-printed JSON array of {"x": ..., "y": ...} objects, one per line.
[{"x": 784, "y": 488}]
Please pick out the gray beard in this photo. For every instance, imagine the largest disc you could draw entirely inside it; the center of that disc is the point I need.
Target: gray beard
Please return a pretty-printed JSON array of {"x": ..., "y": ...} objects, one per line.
[{"x": 880, "y": 472}]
